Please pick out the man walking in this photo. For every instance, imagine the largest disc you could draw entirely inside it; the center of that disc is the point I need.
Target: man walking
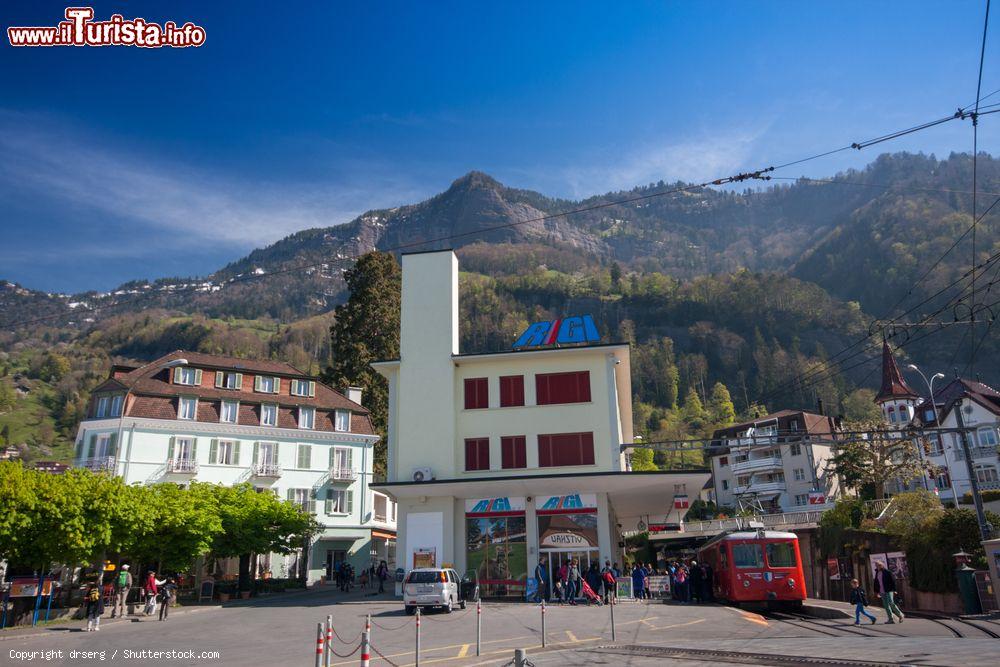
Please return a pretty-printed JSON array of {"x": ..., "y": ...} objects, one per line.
[
  {"x": 885, "y": 588},
  {"x": 541, "y": 579},
  {"x": 124, "y": 584}
]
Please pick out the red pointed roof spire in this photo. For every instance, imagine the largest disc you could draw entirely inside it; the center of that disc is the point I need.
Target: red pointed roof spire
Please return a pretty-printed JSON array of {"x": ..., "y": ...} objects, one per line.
[{"x": 893, "y": 385}]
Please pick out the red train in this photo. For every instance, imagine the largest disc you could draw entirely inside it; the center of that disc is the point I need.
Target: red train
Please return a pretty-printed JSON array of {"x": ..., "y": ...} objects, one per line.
[{"x": 756, "y": 567}]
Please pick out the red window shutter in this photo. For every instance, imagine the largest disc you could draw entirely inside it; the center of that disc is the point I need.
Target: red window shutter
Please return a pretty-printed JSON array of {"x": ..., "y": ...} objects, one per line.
[
  {"x": 511, "y": 390},
  {"x": 587, "y": 448},
  {"x": 477, "y": 454},
  {"x": 559, "y": 388},
  {"x": 513, "y": 451},
  {"x": 476, "y": 393},
  {"x": 545, "y": 451}
]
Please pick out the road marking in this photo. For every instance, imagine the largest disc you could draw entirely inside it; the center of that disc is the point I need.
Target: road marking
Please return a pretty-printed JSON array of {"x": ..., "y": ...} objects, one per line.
[
  {"x": 464, "y": 652},
  {"x": 424, "y": 650},
  {"x": 641, "y": 620},
  {"x": 678, "y": 625},
  {"x": 572, "y": 637}
]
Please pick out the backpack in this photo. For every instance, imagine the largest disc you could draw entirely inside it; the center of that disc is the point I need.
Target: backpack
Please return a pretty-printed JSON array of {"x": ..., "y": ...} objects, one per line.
[
  {"x": 122, "y": 579},
  {"x": 94, "y": 595},
  {"x": 609, "y": 578}
]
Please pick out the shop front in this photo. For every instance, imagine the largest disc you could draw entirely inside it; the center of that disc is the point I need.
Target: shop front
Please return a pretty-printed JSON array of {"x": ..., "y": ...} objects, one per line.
[
  {"x": 567, "y": 529},
  {"x": 496, "y": 547}
]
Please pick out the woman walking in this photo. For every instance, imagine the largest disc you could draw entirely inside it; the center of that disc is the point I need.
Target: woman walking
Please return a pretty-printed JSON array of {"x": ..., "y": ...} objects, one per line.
[{"x": 93, "y": 607}]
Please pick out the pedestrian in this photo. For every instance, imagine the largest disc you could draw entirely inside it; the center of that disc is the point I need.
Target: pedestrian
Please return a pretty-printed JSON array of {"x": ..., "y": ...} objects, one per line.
[
  {"x": 151, "y": 589},
  {"x": 681, "y": 577},
  {"x": 166, "y": 597},
  {"x": 639, "y": 581},
  {"x": 123, "y": 584},
  {"x": 573, "y": 581},
  {"x": 541, "y": 580},
  {"x": 609, "y": 581},
  {"x": 860, "y": 600},
  {"x": 364, "y": 579},
  {"x": 617, "y": 570},
  {"x": 706, "y": 582},
  {"x": 694, "y": 582},
  {"x": 885, "y": 588},
  {"x": 93, "y": 605},
  {"x": 594, "y": 579},
  {"x": 382, "y": 573}
]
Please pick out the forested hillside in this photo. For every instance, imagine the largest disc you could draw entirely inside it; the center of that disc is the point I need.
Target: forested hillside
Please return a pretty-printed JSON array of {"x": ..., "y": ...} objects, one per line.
[{"x": 748, "y": 290}]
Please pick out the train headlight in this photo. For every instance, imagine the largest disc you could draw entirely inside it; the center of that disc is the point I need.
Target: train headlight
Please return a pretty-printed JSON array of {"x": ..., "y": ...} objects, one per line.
[
  {"x": 791, "y": 583},
  {"x": 746, "y": 583}
]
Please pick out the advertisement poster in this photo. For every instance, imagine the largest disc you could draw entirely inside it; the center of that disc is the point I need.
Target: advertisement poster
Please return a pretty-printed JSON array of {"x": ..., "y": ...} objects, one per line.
[
  {"x": 624, "y": 587},
  {"x": 896, "y": 562},
  {"x": 833, "y": 569},
  {"x": 561, "y": 531},
  {"x": 659, "y": 586},
  {"x": 424, "y": 558},
  {"x": 877, "y": 558}
]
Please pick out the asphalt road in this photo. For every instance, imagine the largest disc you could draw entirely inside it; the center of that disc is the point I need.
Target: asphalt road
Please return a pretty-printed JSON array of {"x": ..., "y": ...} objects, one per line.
[{"x": 282, "y": 630}]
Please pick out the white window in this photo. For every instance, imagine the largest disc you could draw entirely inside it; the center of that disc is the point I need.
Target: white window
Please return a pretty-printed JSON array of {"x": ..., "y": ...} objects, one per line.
[
  {"x": 268, "y": 415},
  {"x": 116, "y": 405},
  {"x": 182, "y": 449},
  {"x": 943, "y": 479},
  {"x": 304, "y": 458},
  {"x": 186, "y": 375},
  {"x": 795, "y": 449},
  {"x": 892, "y": 415},
  {"x": 343, "y": 421},
  {"x": 101, "y": 446},
  {"x": 229, "y": 412},
  {"x": 226, "y": 380},
  {"x": 339, "y": 501},
  {"x": 307, "y": 417},
  {"x": 934, "y": 444},
  {"x": 929, "y": 415},
  {"x": 187, "y": 407},
  {"x": 266, "y": 453},
  {"x": 800, "y": 474},
  {"x": 802, "y": 499},
  {"x": 987, "y": 436},
  {"x": 103, "y": 403},
  {"x": 986, "y": 474},
  {"x": 224, "y": 452},
  {"x": 267, "y": 384},
  {"x": 303, "y": 388},
  {"x": 303, "y": 498},
  {"x": 341, "y": 462}
]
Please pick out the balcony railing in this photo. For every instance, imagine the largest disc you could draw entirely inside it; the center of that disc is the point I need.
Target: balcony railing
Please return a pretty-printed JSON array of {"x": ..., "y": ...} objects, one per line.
[
  {"x": 343, "y": 474},
  {"x": 760, "y": 487},
  {"x": 380, "y": 518},
  {"x": 991, "y": 485},
  {"x": 100, "y": 463},
  {"x": 266, "y": 470},
  {"x": 182, "y": 466},
  {"x": 765, "y": 463}
]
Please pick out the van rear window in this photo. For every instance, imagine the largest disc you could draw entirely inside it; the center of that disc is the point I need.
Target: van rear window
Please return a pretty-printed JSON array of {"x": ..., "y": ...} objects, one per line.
[{"x": 424, "y": 577}]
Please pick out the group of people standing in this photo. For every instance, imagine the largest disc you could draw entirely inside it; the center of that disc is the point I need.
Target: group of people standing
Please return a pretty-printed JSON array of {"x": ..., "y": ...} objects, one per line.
[
  {"x": 568, "y": 581},
  {"x": 154, "y": 592},
  {"x": 344, "y": 575}
]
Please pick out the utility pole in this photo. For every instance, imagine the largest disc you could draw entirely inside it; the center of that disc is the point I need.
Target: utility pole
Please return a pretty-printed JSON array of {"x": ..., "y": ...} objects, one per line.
[{"x": 985, "y": 529}]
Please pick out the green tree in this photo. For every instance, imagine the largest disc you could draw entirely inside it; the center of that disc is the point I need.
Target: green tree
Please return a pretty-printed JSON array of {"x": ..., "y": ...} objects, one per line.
[
  {"x": 642, "y": 460},
  {"x": 693, "y": 410},
  {"x": 721, "y": 410},
  {"x": 875, "y": 458},
  {"x": 366, "y": 329},
  {"x": 8, "y": 398},
  {"x": 914, "y": 512},
  {"x": 257, "y": 523},
  {"x": 860, "y": 405},
  {"x": 183, "y": 524},
  {"x": 55, "y": 367}
]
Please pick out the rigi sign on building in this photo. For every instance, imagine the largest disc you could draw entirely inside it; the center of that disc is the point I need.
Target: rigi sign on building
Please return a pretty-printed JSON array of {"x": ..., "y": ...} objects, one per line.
[{"x": 574, "y": 329}]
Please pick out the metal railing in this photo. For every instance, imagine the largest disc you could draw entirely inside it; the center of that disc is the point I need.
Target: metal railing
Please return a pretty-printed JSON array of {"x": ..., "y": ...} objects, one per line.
[
  {"x": 184, "y": 466},
  {"x": 763, "y": 463},
  {"x": 343, "y": 474},
  {"x": 978, "y": 452},
  {"x": 266, "y": 470},
  {"x": 100, "y": 463},
  {"x": 759, "y": 487}
]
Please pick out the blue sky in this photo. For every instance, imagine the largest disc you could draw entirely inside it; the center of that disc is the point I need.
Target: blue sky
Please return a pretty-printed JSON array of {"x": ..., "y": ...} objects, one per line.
[{"x": 120, "y": 163}]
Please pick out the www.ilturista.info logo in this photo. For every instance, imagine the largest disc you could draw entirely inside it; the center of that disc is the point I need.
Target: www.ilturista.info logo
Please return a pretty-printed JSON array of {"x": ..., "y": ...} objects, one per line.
[{"x": 80, "y": 29}]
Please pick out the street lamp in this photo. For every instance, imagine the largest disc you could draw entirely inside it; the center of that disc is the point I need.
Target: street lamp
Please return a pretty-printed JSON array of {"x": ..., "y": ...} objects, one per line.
[{"x": 937, "y": 423}]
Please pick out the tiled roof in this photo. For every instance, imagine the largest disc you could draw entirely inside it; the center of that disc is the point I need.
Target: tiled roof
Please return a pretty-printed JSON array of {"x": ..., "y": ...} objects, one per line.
[
  {"x": 959, "y": 388},
  {"x": 893, "y": 384}
]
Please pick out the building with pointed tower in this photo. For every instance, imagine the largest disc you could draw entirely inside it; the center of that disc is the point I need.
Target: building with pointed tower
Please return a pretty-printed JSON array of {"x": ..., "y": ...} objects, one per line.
[{"x": 895, "y": 397}]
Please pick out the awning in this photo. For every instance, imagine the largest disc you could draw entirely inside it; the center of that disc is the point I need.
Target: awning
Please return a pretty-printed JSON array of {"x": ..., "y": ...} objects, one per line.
[
  {"x": 633, "y": 495},
  {"x": 383, "y": 534}
]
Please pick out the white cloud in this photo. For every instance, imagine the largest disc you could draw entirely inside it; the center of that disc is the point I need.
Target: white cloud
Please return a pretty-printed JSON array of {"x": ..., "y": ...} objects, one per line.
[
  {"x": 194, "y": 205},
  {"x": 692, "y": 160}
]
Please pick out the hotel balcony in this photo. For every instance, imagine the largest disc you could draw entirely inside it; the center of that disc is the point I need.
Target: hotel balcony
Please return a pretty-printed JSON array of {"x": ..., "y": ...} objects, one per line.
[
  {"x": 100, "y": 464},
  {"x": 271, "y": 470},
  {"x": 182, "y": 466},
  {"x": 760, "y": 487},
  {"x": 343, "y": 474},
  {"x": 753, "y": 465}
]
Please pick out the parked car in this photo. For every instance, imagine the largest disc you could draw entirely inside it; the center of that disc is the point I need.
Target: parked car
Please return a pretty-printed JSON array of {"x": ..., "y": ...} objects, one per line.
[{"x": 432, "y": 587}]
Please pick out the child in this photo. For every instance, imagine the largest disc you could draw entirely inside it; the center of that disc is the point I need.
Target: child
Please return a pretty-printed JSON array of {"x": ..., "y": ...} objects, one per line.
[
  {"x": 364, "y": 579},
  {"x": 94, "y": 607},
  {"x": 859, "y": 600}
]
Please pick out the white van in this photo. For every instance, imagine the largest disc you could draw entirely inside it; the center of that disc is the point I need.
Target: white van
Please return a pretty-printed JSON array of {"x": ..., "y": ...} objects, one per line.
[{"x": 431, "y": 587}]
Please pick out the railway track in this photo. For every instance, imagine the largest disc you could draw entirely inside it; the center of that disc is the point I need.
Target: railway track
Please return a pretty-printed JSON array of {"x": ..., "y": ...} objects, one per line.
[
  {"x": 733, "y": 657},
  {"x": 957, "y": 626},
  {"x": 813, "y": 624}
]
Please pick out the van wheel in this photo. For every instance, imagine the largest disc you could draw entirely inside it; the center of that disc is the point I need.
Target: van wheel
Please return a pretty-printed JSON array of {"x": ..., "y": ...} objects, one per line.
[
  {"x": 411, "y": 610},
  {"x": 447, "y": 607}
]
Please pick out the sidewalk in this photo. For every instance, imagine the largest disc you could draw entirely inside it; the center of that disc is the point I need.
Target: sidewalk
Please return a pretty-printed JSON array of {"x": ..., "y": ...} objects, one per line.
[{"x": 317, "y": 595}]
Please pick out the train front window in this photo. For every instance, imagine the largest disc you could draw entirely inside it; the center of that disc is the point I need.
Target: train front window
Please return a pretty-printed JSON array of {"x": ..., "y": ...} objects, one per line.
[
  {"x": 781, "y": 554},
  {"x": 748, "y": 555}
]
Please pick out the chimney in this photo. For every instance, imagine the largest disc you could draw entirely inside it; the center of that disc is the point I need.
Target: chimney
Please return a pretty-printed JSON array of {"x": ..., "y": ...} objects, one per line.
[
  {"x": 819, "y": 406},
  {"x": 354, "y": 394}
]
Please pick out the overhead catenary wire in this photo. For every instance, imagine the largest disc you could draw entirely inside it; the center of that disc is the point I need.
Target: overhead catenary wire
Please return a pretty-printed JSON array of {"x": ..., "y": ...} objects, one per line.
[
  {"x": 761, "y": 174},
  {"x": 975, "y": 181}
]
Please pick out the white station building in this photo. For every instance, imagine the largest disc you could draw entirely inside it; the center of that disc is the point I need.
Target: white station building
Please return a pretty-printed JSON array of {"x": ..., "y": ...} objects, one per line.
[{"x": 497, "y": 459}]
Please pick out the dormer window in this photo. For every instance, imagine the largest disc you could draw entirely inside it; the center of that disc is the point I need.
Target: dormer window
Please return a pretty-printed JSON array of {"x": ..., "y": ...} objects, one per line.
[
  {"x": 307, "y": 417},
  {"x": 267, "y": 384},
  {"x": 306, "y": 388},
  {"x": 227, "y": 380},
  {"x": 187, "y": 376},
  {"x": 268, "y": 415},
  {"x": 229, "y": 412},
  {"x": 109, "y": 406},
  {"x": 187, "y": 407},
  {"x": 342, "y": 421}
]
